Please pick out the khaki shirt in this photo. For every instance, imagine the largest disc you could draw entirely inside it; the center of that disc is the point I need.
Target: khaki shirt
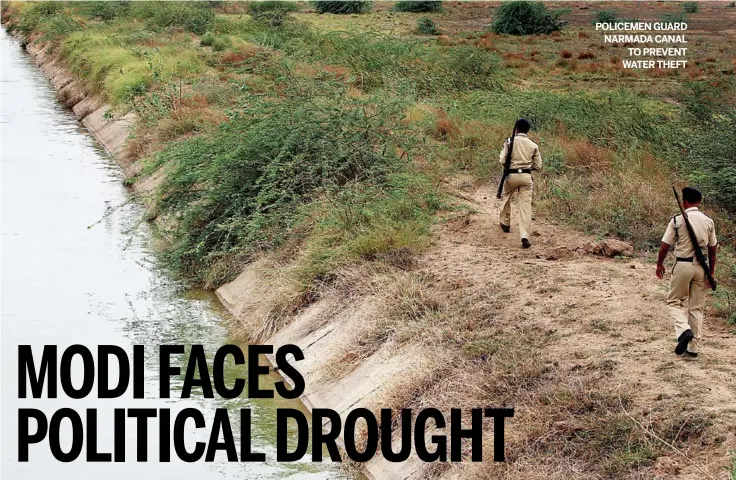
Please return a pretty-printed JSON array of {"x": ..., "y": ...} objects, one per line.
[
  {"x": 676, "y": 233},
  {"x": 525, "y": 154}
]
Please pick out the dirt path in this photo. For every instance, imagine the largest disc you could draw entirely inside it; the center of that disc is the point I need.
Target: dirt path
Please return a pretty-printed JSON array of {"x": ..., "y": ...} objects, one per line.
[{"x": 608, "y": 314}]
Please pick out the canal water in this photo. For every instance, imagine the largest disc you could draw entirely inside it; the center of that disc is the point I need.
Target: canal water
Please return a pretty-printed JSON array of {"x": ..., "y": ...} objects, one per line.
[{"x": 77, "y": 269}]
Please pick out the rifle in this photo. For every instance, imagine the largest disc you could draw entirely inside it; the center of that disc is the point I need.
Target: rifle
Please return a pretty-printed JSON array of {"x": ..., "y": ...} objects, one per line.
[
  {"x": 694, "y": 240},
  {"x": 507, "y": 163}
]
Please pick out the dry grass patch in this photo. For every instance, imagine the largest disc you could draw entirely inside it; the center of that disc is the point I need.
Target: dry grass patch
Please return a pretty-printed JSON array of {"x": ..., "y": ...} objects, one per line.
[
  {"x": 406, "y": 306},
  {"x": 581, "y": 154},
  {"x": 274, "y": 297},
  {"x": 446, "y": 128}
]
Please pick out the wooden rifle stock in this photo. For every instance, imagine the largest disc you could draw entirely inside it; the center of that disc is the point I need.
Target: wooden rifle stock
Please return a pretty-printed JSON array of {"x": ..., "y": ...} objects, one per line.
[
  {"x": 507, "y": 163},
  {"x": 694, "y": 240}
]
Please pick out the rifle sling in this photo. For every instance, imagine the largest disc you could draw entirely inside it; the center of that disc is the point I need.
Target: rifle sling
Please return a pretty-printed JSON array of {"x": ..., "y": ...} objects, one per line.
[{"x": 696, "y": 246}]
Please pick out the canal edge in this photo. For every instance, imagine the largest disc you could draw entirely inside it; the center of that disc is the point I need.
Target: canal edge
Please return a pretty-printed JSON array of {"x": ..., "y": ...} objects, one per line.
[{"x": 112, "y": 133}]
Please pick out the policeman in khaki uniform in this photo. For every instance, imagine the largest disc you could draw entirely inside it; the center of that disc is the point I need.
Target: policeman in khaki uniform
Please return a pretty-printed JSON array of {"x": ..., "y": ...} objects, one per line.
[
  {"x": 525, "y": 158},
  {"x": 689, "y": 282}
]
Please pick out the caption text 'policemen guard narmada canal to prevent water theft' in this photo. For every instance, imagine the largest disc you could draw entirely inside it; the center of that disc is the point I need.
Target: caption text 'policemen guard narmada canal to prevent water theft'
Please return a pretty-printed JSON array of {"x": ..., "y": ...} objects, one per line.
[{"x": 51, "y": 368}]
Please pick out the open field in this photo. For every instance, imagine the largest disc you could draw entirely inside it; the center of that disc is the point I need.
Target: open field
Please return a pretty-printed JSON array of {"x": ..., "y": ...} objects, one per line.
[{"x": 335, "y": 144}]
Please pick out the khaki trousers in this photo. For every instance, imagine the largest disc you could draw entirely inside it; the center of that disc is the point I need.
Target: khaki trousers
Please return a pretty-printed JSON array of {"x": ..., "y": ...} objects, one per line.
[
  {"x": 685, "y": 300},
  {"x": 521, "y": 182}
]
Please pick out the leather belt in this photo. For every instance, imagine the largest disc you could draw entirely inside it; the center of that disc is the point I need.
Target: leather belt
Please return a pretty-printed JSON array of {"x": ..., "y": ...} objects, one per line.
[
  {"x": 685, "y": 259},
  {"x": 521, "y": 170}
]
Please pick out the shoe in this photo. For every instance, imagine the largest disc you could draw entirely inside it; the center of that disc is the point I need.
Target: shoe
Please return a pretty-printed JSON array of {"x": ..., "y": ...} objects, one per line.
[
  {"x": 691, "y": 354},
  {"x": 525, "y": 243},
  {"x": 683, "y": 341},
  {"x": 505, "y": 228}
]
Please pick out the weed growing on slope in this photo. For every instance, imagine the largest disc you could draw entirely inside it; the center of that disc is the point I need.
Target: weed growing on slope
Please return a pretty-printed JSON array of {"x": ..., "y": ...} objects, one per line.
[
  {"x": 273, "y": 13},
  {"x": 54, "y": 27},
  {"x": 418, "y": 6},
  {"x": 526, "y": 18},
  {"x": 125, "y": 65},
  {"x": 343, "y": 6},
  {"x": 245, "y": 188},
  {"x": 690, "y": 7},
  {"x": 678, "y": 17},
  {"x": 29, "y": 17},
  {"x": 426, "y": 26},
  {"x": 195, "y": 17},
  {"x": 105, "y": 10},
  {"x": 606, "y": 16},
  {"x": 731, "y": 469}
]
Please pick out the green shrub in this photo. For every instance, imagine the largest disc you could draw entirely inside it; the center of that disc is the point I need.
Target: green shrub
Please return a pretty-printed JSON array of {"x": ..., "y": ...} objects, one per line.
[
  {"x": 273, "y": 13},
  {"x": 679, "y": 17},
  {"x": 243, "y": 188},
  {"x": 56, "y": 26},
  {"x": 105, "y": 10},
  {"x": 207, "y": 39},
  {"x": 343, "y": 7},
  {"x": 611, "y": 16},
  {"x": 417, "y": 6},
  {"x": 690, "y": 7},
  {"x": 218, "y": 43},
  {"x": 221, "y": 43},
  {"x": 194, "y": 17},
  {"x": 32, "y": 16},
  {"x": 526, "y": 18},
  {"x": 426, "y": 26},
  {"x": 47, "y": 8},
  {"x": 606, "y": 16}
]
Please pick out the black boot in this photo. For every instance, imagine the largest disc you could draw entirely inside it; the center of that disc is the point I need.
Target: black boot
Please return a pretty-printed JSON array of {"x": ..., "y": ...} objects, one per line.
[
  {"x": 525, "y": 243},
  {"x": 683, "y": 341},
  {"x": 691, "y": 354},
  {"x": 505, "y": 228}
]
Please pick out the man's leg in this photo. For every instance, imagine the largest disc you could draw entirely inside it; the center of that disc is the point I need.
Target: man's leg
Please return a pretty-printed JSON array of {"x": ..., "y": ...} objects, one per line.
[
  {"x": 678, "y": 296},
  {"x": 525, "y": 205},
  {"x": 695, "y": 307},
  {"x": 508, "y": 190}
]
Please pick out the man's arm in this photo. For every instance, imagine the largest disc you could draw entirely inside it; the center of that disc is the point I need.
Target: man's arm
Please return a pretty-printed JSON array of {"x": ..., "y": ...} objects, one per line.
[
  {"x": 664, "y": 248},
  {"x": 712, "y": 246},
  {"x": 712, "y": 260},
  {"x": 536, "y": 160},
  {"x": 502, "y": 157}
]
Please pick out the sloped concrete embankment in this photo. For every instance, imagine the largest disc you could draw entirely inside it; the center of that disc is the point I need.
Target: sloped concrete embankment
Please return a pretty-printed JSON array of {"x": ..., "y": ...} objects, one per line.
[
  {"x": 321, "y": 331},
  {"x": 111, "y": 131}
]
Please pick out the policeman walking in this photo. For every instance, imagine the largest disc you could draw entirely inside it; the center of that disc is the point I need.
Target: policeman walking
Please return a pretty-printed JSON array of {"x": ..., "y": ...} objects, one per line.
[
  {"x": 689, "y": 279},
  {"x": 525, "y": 158}
]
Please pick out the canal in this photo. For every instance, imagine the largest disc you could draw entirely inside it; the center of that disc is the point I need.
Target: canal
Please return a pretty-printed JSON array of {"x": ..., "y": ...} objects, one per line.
[{"x": 77, "y": 269}]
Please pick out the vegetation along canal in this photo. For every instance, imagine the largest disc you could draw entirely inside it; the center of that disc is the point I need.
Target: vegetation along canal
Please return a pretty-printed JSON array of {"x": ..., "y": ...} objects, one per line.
[{"x": 78, "y": 270}]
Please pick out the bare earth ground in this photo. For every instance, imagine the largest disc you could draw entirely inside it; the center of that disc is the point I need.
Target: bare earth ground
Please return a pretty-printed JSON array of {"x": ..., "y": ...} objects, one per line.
[{"x": 607, "y": 313}]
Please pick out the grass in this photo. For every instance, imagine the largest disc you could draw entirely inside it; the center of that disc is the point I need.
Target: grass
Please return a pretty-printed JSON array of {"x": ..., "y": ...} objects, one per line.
[
  {"x": 123, "y": 64},
  {"x": 690, "y": 7}
]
